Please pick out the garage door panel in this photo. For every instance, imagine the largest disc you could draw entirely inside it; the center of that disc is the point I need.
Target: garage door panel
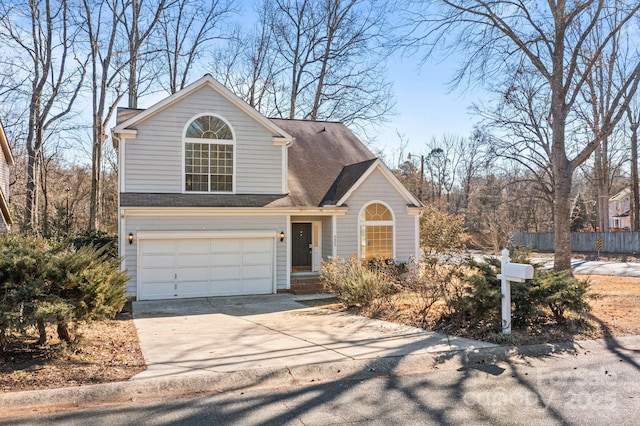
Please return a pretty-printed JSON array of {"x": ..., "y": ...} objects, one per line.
[
  {"x": 158, "y": 291},
  {"x": 193, "y": 274},
  {"x": 193, "y": 267},
  {"x": 256, "y": 271},
  {"x": 158, "y": 246},
  {"x": 225, "y": 287},
  {"x": 192, "y": 260},
  {"x": 193, "y": 246},
  {"x": 158, "y": 261},
  {"x": 226, "y": 273},
  {"x": 257, "y": 258},
  {"x": 226, "y": 246},
  {"x": 257, "y": 245},
  {"x": 228, "y": 259},
  {"x": 159, "y": 275},
  {"x": 256, "y": 286},
  {"x": 194, "y": 289}
]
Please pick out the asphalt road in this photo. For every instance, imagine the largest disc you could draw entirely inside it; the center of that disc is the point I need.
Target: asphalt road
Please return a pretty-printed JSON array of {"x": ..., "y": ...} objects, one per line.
[{"x": 584, "y": 388}]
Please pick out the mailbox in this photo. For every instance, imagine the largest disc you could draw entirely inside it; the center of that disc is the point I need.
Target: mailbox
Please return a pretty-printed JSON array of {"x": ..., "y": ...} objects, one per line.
[{"x": 517, "y": 272}]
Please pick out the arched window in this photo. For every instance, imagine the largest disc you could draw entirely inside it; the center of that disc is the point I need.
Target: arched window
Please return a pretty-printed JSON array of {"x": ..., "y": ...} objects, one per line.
[
  {"x": 208, "y": 155},
  {"x": 376, "y": 231}
]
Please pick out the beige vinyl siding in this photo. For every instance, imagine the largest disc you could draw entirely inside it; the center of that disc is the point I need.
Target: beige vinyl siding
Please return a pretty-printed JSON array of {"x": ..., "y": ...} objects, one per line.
[
  {"x": 135, "y": 224},
  {"x": 377, "y": 187},
  {"x": 154, "y": 160},
  {"x": 327, "y": 242}
]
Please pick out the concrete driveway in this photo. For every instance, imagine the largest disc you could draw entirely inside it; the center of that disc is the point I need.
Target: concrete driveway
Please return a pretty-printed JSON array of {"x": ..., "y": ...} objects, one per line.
[{"x": 228, "y": 334}]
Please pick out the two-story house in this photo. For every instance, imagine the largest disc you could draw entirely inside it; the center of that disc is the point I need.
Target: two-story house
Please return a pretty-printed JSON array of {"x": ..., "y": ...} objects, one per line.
[
  {"x": 619, "y": 211},
  {"x": 6, "y": 160},
  {"x": 216, "y": 199}
]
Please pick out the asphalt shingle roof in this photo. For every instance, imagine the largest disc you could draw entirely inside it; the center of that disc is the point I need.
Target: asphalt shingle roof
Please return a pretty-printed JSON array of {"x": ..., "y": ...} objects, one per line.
[{"x": 325, "y": 159}]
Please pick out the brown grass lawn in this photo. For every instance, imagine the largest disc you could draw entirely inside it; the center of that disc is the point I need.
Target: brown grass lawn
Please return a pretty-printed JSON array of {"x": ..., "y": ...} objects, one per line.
[
  {"x": 105, "y": 351},
  {"x": 617, "y": 306}
]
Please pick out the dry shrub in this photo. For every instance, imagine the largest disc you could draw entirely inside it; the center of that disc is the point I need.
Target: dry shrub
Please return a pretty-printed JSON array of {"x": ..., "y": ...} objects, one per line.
[
  {"x": 359, "y": 283},
  {"x": 441, "y": 232},
  {"x": 431, "y": 284}
]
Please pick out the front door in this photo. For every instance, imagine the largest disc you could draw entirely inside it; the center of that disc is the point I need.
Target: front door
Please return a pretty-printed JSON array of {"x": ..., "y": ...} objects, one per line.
[{"x": 301, "y": 246}]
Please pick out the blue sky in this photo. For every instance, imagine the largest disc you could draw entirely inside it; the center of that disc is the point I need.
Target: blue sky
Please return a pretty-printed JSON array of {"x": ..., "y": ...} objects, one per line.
[{"x": 425, "y": 106}]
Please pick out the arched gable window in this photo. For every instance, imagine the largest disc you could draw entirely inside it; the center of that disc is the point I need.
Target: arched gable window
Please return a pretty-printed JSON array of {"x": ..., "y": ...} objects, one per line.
[
  {"x": 208, "y": 155},
  {"x": 376, "y": 231}
]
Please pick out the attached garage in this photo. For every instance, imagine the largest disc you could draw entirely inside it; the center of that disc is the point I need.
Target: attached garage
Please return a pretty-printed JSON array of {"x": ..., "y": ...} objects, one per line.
[{"x": 202, "y": 265}]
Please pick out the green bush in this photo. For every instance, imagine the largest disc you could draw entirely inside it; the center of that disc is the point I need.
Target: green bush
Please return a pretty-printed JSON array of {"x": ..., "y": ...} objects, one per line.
[
  {"x": 561, "y": 292},
  {"x": 46, "y": 282},
  {"x": 355, "y": 282},
  {"x": 105, "y": 241},
  {"x": 23, "y": 284},
  {"x": 548, "y": 294}
]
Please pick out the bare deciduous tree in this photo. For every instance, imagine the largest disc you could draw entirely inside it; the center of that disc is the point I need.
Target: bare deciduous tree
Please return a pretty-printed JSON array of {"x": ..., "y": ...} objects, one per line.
[
  {"x": 140, "y": 22},
  {"x": 247, "y": 67},
  {"x": 550, "y": 40},
  {"x": 44, "y": 35},
  {"x": 633, "y": 118},
  {"x": 315, "y": 60},
  {"x": 187, "y": 28},
  {"x": 471, "y": 158},
  {"x": 100, "y": 22}
]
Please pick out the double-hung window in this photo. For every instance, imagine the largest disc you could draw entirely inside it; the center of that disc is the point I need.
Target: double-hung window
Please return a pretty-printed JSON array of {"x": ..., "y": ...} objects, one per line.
[{"x": 208, "y": 155}]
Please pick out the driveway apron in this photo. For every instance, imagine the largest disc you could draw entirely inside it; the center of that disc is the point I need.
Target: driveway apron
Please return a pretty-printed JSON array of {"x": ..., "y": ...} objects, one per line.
[{"x": 228, "y": 334}]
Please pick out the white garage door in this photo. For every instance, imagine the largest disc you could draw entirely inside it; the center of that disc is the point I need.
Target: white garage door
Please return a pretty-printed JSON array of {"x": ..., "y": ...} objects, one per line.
[{"x": 198, "y": 267}]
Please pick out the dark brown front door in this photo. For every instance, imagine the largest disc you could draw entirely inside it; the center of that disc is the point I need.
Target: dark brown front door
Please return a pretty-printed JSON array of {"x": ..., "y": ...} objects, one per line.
[{"x": 301, "y": 245}]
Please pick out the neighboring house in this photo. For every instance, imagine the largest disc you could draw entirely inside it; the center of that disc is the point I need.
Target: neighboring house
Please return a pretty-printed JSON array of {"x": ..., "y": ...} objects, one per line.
[
  {"x": 6, "y": 160},
  {"x": 215, "y": 199},
  {"x": 619, "y": 210}
]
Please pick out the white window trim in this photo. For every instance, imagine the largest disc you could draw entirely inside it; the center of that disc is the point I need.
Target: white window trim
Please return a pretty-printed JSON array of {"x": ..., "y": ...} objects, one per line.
[
  {"x": 391, "y": 223},
  {"x": 232, "y": 142}
]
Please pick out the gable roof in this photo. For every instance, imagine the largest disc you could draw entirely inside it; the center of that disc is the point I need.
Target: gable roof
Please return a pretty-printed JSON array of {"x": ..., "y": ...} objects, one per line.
[
  {"x": 327, "y": 162},
  {"x": 622, "y": 195},
  {"x": 344, "y": 182},
  {"x": 393, "y": 180},
  {"x": 133, "y": 117},
  {"x": 317, "y": 157}
]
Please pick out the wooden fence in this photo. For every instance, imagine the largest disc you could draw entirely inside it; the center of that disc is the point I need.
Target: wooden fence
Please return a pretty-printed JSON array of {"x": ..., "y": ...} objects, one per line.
[{"x": 611, "y": 242}]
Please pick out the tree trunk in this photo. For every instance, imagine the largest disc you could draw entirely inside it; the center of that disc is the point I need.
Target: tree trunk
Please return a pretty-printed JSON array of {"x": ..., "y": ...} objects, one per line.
[
  {"x": 562, "y": 170},
  {"x": 602, "y": 185},
  {"x": 562, "y": 225},
  {"x": 63, "y": 331},
  {"x": 96, "y": 170},
  {"x": 31, "y": 198},
  {"x": 46, "y": 231},
  {"x": 635, "y": 191},
  {"x": 134, "y": 47},
  {"x": 42, "y": 332},
  {"x": 133, "y": 82}
]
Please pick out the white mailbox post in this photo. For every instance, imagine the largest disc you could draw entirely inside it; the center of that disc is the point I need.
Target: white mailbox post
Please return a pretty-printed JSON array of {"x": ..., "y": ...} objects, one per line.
[{"x": 517, "y": 272}]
